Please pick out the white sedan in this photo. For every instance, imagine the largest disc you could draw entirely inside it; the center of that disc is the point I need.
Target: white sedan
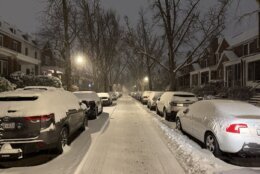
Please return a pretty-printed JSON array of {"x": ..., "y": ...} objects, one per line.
[{"x": 223, "y": 126}]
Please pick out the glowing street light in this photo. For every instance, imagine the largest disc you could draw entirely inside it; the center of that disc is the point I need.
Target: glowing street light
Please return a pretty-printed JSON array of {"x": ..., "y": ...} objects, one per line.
[
  {"x": 146, "y": 79},
  {"x": 79, "y": 60}
]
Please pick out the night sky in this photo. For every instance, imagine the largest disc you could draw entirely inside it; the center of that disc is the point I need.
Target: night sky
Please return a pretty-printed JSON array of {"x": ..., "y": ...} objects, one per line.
[{"x": 25, "y": 14}]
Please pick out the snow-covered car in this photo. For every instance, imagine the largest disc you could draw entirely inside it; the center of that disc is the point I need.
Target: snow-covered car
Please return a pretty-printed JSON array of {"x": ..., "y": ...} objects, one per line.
[
  {"x": 223, "y": 126},
  {"x": 171, "y": 102},
  {"x": 145, "y": 96},
  {"x": 113, "y": 96},
  {"x": 38, "y": 118},
  {"x": 151, "y": 104},
  {"x": 105, "y": 99},
  {"x": 93, "y": 102}
]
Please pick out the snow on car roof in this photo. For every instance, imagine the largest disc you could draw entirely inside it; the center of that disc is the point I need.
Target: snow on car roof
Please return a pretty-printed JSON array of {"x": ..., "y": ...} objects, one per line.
[
  {"x": 86, "y": 95},
  {"x": 235, "y": 108},
  {"x": 103, "y": 94}
]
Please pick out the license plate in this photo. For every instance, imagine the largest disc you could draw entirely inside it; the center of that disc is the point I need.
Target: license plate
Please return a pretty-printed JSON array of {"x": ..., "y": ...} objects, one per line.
[
  {"x": 258, "y": 132},
  {"x": 8, "y": 125}
]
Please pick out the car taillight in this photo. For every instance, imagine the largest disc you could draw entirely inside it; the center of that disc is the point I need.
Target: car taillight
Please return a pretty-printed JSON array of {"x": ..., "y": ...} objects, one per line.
[
  {"x": 41, "y": 118},
  {"x": 235, "y": 128}
]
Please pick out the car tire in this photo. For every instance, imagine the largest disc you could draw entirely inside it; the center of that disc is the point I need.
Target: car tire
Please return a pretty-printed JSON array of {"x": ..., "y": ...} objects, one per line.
[
  {"x": 84, "y": 124},
  {"x": 63, "y": 140},
  {"x": 96, "y": 112},
  {"x": 211, "y": 144},
  {"x": 178, "y": 124},
  {"x": 157, "y": 111},
  {"x": 166, "y": 115}
]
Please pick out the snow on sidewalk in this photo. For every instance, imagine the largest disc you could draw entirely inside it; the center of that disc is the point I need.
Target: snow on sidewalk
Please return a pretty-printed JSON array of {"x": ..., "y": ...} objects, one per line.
[{"x": 191, "y": 156}]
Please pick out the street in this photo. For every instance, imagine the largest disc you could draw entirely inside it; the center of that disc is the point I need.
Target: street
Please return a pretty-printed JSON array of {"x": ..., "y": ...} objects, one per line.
[
  {"x": 131, "y": 144},
  {"x": 126, "y": 138}
]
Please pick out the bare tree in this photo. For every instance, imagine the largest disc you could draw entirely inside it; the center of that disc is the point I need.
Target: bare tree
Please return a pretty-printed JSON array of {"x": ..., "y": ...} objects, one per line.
[
  {"x": 59, "y": 28},
  {"x": 143, "y": 38},
  {"x": 100, "y": 37},
  {"x": 187, "y": 29}
]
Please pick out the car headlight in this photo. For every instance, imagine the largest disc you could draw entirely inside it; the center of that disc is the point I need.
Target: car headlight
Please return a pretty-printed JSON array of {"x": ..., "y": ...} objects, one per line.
[{"x": 180, "y": 105}]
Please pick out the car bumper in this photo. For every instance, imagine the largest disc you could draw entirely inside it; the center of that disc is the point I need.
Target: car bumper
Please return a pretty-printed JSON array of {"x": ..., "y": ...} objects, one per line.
[
  {"x": 106, "y": 103},
  {"x": 237, "y": 143},
  {"x": 45, "y": 140}
]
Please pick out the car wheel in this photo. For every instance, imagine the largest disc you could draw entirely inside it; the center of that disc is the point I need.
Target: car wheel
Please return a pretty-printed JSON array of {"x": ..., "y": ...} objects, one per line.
[
  {"x": 211, "y": 144},
  {"x": 63, "y": 140},
  {"x": 84, "y": 124},
  {"x": 96, "y": 112},
  {"x": 157, "y": 111},
  {"x": 178, "y": 124},
  {"x": 165, "y": 115}
]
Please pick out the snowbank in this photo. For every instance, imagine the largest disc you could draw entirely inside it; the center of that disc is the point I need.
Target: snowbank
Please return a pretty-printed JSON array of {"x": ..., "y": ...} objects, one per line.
[{"x": 190, "y": 155}]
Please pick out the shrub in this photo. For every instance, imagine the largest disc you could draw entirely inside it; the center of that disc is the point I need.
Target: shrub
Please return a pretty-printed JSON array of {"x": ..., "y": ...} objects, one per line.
[
  {"x": 5, "y": 85},
  {"x": 22, "y": 80}
]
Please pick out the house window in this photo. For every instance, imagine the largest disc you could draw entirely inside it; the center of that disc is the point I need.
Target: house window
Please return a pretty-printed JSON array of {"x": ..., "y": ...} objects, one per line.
[
  {"x": 3, "y": 68},
  {"x": 1, "y": 40},
  {"x": 28, "y": 72},
  {"x": 253, "y": 71},
  {"x": 35, "y": 55},
  {"x": 245, "y": 50},
  {"x": 15, "y": 46},
  {"x": 26, "y": 51}
]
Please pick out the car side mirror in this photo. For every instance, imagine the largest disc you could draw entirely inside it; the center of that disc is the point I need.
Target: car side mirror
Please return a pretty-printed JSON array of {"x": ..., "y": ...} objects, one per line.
[{"x": 186, "y": 111}]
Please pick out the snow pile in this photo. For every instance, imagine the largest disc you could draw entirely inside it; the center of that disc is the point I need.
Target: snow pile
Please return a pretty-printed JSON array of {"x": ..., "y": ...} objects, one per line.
[{"x": 190, "y": 155}]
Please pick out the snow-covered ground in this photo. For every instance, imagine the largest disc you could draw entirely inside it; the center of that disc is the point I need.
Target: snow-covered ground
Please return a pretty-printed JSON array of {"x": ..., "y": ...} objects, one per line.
[
  {"x": 192, "y": 157},
  {"x": 128, "y": 138}
]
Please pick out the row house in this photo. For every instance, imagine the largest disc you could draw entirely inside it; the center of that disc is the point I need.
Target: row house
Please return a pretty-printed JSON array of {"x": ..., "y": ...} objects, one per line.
[
  {"x": 18, "y": 51},
  {"x": 244, "y": 70},
  {"x": 209, "y": 67},
  {"x": 233, "y": 62}
]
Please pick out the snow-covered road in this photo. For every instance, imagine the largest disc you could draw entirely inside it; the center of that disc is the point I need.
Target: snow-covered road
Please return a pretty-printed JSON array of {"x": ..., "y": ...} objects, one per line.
[
  {"x": 127, "y": 138},
  {"x": 131, "y": 144}
]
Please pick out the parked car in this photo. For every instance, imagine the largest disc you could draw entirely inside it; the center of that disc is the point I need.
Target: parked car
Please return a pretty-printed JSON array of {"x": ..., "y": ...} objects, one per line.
[
  {"x": 113, "y": 96},
  {"x": 105, "y": 99},
  {"x": 38, "y": 118},
  {"x": 91, "y": 99},
  {"x": 223, "y": 126},
  {"x": 145, "y": 96},
  {"x": 151, "y": 103},
  {"x": 171, "y": 102}
]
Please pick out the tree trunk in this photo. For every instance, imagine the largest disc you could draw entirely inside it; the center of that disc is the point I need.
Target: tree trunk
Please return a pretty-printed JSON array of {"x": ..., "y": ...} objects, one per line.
[{"x": 67, "y": 45}]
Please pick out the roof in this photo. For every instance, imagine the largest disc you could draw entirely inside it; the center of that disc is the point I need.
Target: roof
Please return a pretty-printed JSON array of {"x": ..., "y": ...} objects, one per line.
[
  {"x": 196, "y": 66},
  {"x": 230, "y": 55},
  {"x": 6, "y": 28},
  {"x": 243, "y": 37}
]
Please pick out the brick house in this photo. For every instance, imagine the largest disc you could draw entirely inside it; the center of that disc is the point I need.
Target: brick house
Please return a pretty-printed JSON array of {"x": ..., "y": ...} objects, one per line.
[
  {"x": 209, "y": 67},
  {"x": 244, "y": 70},
  {"x": 18, "y": 51}
]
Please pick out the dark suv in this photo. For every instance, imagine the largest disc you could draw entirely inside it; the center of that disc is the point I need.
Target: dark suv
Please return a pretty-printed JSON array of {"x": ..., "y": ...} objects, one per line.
[{"x": 38, "y": 118}]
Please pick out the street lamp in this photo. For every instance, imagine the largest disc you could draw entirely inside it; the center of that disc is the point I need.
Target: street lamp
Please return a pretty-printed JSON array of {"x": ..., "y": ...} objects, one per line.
[
  {"x": 146, "y": 79},
  {"x": 79, "y": 60}
]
